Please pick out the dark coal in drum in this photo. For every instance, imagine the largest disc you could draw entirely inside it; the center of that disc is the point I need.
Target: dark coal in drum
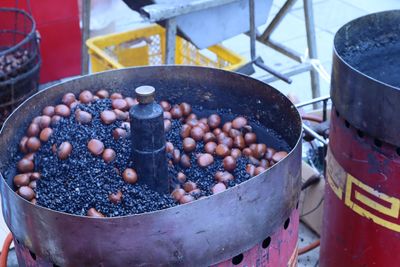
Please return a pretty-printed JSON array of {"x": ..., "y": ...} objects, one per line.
[{"x": 381, "y": 62}]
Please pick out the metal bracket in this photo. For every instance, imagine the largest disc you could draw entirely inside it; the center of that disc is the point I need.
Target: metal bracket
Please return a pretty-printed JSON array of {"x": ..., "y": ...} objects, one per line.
[
  {"x": 306, "y": 64},
  {"x": 257, "y": 60},
  {"x": 306, "y": 128},
  {"x": 260, "y": 63}
]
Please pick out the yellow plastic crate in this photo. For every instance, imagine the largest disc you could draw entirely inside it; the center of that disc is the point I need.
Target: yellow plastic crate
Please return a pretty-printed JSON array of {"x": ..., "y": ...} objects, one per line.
[{"x": 146, "y": 46}]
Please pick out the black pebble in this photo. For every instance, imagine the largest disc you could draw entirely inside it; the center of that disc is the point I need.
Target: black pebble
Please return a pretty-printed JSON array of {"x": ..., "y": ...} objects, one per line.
[{"x": 83, "y": 181}]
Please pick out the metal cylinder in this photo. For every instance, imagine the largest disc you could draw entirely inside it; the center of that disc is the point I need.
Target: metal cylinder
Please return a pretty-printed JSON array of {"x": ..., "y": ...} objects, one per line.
[
  {"x": 148, "y": 140},
  {"x": 276, "y": 250},
  {"x": 204, "y": 232},
  {"x": 361, "y": 224}
]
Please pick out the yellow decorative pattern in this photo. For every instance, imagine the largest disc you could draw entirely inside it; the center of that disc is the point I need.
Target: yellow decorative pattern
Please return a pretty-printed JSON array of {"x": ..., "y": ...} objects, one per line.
[
  {"x": 363, "y": 194},
  {"x": 336, "y": 189},
  {"x": 393, "y": 211}
]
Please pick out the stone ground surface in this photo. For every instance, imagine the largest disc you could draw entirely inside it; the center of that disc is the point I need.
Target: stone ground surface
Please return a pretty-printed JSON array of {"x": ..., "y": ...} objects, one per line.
[{"x": 330, "y": 15}]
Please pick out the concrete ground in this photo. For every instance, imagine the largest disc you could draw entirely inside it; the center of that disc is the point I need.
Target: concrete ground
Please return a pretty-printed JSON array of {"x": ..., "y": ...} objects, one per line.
[{"x": 306, "y": 236}]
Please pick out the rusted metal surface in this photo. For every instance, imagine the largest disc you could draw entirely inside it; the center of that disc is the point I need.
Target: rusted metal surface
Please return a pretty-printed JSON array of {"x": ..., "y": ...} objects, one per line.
[
  {"x": 195, "y": 234},
  {"x": 363, "y": 91},
  {"x": 28, "y": 259},
  {"x": 277, "y": 250}
]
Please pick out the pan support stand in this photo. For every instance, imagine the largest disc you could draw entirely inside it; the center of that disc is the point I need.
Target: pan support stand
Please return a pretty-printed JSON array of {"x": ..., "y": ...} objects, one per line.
[
  {"x": 169, "y": 13},
  {"x": 306, "y": 64}
]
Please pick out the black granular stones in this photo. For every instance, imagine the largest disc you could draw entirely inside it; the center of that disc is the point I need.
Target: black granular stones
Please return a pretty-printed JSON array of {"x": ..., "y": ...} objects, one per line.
[
  {"x": 84, "y": 181},
  {"x": 78, "y": 179}
]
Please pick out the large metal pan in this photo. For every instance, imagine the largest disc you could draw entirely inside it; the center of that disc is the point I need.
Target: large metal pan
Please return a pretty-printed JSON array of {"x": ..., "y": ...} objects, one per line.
[{"x": 196, "y": 234}]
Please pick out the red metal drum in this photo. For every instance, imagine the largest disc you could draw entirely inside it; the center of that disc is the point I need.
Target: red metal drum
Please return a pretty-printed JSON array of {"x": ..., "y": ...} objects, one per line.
[{"x": 361, "y": 224}]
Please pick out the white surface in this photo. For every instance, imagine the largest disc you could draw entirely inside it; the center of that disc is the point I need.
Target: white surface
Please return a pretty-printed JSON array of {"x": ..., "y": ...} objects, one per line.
[{"x": 222, "y": 22}]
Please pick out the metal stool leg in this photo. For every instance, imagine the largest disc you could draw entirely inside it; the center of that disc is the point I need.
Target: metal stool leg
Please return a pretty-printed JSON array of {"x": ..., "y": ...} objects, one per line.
[
  {"x": 312, "y": 46},
  {"x": 171, "y": 41},
  {"x": 85, "y": 35}
]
